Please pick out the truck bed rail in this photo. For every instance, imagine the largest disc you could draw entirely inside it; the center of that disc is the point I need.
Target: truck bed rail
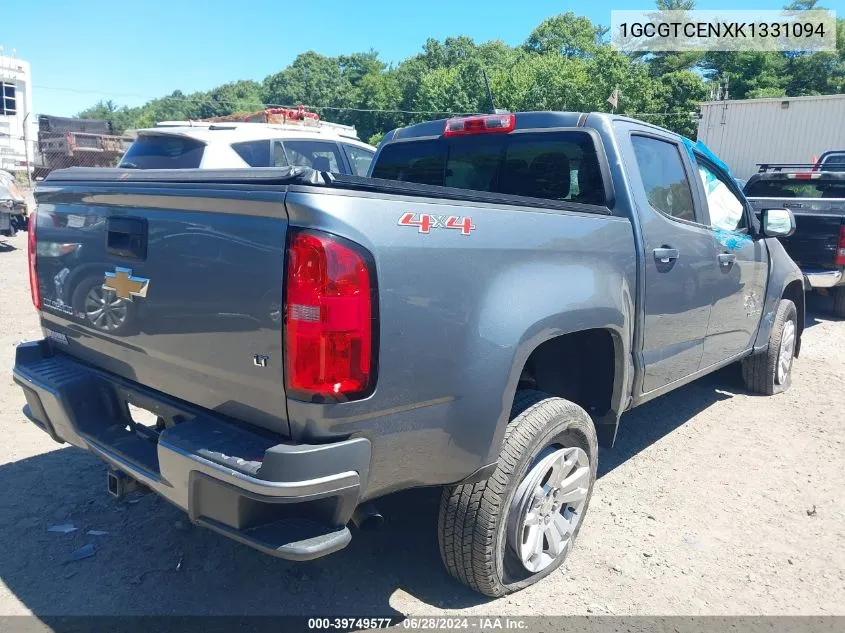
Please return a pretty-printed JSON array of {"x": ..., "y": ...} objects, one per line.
[{"x": 305, "y": 176}]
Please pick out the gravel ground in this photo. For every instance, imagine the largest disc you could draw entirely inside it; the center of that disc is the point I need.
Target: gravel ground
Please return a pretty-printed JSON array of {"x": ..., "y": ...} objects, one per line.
[{"x": 713, "y": 502}]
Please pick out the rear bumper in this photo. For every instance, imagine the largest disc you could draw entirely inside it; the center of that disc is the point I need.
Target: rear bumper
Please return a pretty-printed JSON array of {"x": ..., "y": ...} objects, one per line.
[
  {"x": 823, "y": 278},
  {"x": 288, "y": 500}
]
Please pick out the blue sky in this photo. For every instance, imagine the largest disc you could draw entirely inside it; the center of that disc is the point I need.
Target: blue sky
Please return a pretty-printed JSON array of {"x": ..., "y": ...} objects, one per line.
[{"x": 85, "y": 50}]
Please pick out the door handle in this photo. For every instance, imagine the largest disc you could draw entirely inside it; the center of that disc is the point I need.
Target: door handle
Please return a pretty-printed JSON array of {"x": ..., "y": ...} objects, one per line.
[
  {"x": 726, "y": 259},
  {"x": 665, "y": 254}
]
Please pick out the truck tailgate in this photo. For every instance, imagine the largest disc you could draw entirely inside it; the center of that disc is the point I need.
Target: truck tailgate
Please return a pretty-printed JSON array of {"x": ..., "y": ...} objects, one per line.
[
  {"x": 817, "y": 225},
  {"x": 172, "y": 286}
]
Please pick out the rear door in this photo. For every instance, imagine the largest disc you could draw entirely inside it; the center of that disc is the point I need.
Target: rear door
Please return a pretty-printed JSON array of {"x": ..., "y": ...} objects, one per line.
[
  {"x": 739, "y": 286},
  {"x": 679, "y": 260},
  {"x": 172, "y": 286}
]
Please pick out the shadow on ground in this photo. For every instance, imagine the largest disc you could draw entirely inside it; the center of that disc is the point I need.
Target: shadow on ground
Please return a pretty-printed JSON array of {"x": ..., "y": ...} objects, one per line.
[
  {"x": 819, "y": 309},
  {"x": 134, "y": 570},
  {"x": 5, "y": 247}
]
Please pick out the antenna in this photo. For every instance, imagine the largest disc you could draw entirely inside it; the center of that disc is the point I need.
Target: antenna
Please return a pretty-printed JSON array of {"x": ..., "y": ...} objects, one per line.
[{"x": 489, "y": 93}]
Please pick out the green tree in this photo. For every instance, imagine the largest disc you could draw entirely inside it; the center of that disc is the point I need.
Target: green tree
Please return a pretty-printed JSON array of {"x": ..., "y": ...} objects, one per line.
[
  {"x": 566, "y": 34},
  {"x": 121, "y": 118},
  {"x": 231, "y": 98},
  {"x": 750, "y": 74},
  {"x": 312, "y": 79},
  {"x": 661, "y": 63}
]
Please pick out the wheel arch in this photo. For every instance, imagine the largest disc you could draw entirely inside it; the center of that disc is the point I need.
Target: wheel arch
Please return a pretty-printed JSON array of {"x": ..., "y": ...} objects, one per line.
[{"x": 540, "y": 364}]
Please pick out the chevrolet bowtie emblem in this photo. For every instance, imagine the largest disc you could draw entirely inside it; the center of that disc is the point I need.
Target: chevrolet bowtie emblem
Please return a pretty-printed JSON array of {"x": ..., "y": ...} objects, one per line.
[{"x": 125, "y": 285}]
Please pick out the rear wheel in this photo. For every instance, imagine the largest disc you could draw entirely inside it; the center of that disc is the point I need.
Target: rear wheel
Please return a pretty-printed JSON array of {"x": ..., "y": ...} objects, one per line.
[
  {"x": 508, "y": 532},
  {"x": 839, "y": 301},
  {"x": 770, "y": 372}
]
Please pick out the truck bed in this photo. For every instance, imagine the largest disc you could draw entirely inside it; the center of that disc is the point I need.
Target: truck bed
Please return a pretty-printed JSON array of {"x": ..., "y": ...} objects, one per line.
[{"x": 817, "y": 200}]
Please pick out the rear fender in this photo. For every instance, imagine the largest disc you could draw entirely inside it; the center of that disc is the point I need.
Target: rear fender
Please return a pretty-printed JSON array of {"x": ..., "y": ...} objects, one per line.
[{"x": 533, "y": 304}]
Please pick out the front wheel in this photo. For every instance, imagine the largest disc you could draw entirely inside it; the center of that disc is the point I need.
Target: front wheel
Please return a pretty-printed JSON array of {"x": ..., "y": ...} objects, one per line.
[
  {"x": 770, "y": 372},
  {"x": 506, "y": 533}
]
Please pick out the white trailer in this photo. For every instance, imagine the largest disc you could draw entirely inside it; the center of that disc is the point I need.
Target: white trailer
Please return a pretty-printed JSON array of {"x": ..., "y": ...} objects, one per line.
[{"x": 774, "y": 130}]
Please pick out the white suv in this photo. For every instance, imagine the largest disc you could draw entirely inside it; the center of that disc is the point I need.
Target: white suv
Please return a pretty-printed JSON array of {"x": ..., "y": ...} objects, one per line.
[{"x": 223, "y": 145}]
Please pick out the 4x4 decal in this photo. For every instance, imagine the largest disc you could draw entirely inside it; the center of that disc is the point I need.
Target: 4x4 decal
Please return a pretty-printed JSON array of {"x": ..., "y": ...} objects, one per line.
[{"x": 426, "y": 222}]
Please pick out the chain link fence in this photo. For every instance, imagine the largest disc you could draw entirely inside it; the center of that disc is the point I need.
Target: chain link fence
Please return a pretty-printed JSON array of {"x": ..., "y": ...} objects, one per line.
[{"x": 59, "y": 143}]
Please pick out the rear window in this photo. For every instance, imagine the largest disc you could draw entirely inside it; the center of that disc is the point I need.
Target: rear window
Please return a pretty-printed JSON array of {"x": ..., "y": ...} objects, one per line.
[
  {"x": 550, "y": 165},
  {"x": 793, "y": 188},
  {"x": 159, "y": 151}
]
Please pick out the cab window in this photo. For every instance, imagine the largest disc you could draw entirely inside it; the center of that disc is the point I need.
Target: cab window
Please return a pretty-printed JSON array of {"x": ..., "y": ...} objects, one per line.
[{"x": 664, "y": 178}]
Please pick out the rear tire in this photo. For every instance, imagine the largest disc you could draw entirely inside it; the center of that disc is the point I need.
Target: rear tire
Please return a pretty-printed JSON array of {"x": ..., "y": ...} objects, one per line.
[
  {"x": 484, "y": 528},
  {"x": 769, "y": 372},
  {"x": 839, "y": 301}
]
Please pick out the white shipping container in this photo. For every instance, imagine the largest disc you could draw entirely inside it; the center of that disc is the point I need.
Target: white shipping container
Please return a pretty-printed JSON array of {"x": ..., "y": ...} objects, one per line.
[{"x": 774, "y": 130}]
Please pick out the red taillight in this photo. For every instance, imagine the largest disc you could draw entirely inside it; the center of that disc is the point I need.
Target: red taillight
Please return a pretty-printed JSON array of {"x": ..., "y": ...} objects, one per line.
[
  {"x": 329, "y": 318},
  {"x": 485, "y": 124},
  {"x": 839, "y": 260},
  {"x": 804, "y": 176},
  {"x": 33, "y": 274}
]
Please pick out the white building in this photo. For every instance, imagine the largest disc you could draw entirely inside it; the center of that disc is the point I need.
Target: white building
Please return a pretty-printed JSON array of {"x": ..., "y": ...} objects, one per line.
[
  {"x": 746, "y": 132},
  {"x": 18, "y": 127}
]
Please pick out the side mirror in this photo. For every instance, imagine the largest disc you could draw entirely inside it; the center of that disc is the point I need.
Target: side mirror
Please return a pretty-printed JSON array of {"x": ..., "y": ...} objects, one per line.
[{"x": 778, "y": 223}]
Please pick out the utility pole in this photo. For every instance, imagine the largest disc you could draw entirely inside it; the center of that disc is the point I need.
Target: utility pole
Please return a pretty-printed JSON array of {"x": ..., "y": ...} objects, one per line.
[{"x": 26, "y": 150}]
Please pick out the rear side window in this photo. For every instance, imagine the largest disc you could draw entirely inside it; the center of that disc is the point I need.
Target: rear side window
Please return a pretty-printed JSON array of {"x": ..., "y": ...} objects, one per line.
[
  {"x": 160, "y": 151},
  {"x": 664, "y": 179},
  {"x": 317, "y": 155},
  {"x": 834, "y": 162},
  {"x": 254, "y": 153},
  {"x": 784, "y": 187},
  {"x": 359, "y": 159},
  {"x": 551, "y": 165}
]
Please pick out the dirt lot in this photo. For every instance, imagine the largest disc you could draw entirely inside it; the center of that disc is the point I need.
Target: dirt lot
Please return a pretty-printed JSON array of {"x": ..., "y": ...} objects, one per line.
[{"x": 713, "y": 502}]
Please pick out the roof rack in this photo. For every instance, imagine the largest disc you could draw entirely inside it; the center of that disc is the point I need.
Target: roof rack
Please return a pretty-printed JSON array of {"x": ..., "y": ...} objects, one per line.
[
  {"x": 279, "y": 118},
  {"x": 766, "y": 167},
  {"x": 299, "y": 117}
]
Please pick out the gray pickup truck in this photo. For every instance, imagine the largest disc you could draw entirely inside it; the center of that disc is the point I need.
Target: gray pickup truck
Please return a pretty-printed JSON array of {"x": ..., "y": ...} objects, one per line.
[
  {"x": 817, "y": 200},
  {"x": 476, "y": 315}
]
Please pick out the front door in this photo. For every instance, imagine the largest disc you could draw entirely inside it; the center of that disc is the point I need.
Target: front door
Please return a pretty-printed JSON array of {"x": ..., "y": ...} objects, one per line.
[
  {"x": 679, "y": 260},
  {"x": 739, "y": 286}
]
